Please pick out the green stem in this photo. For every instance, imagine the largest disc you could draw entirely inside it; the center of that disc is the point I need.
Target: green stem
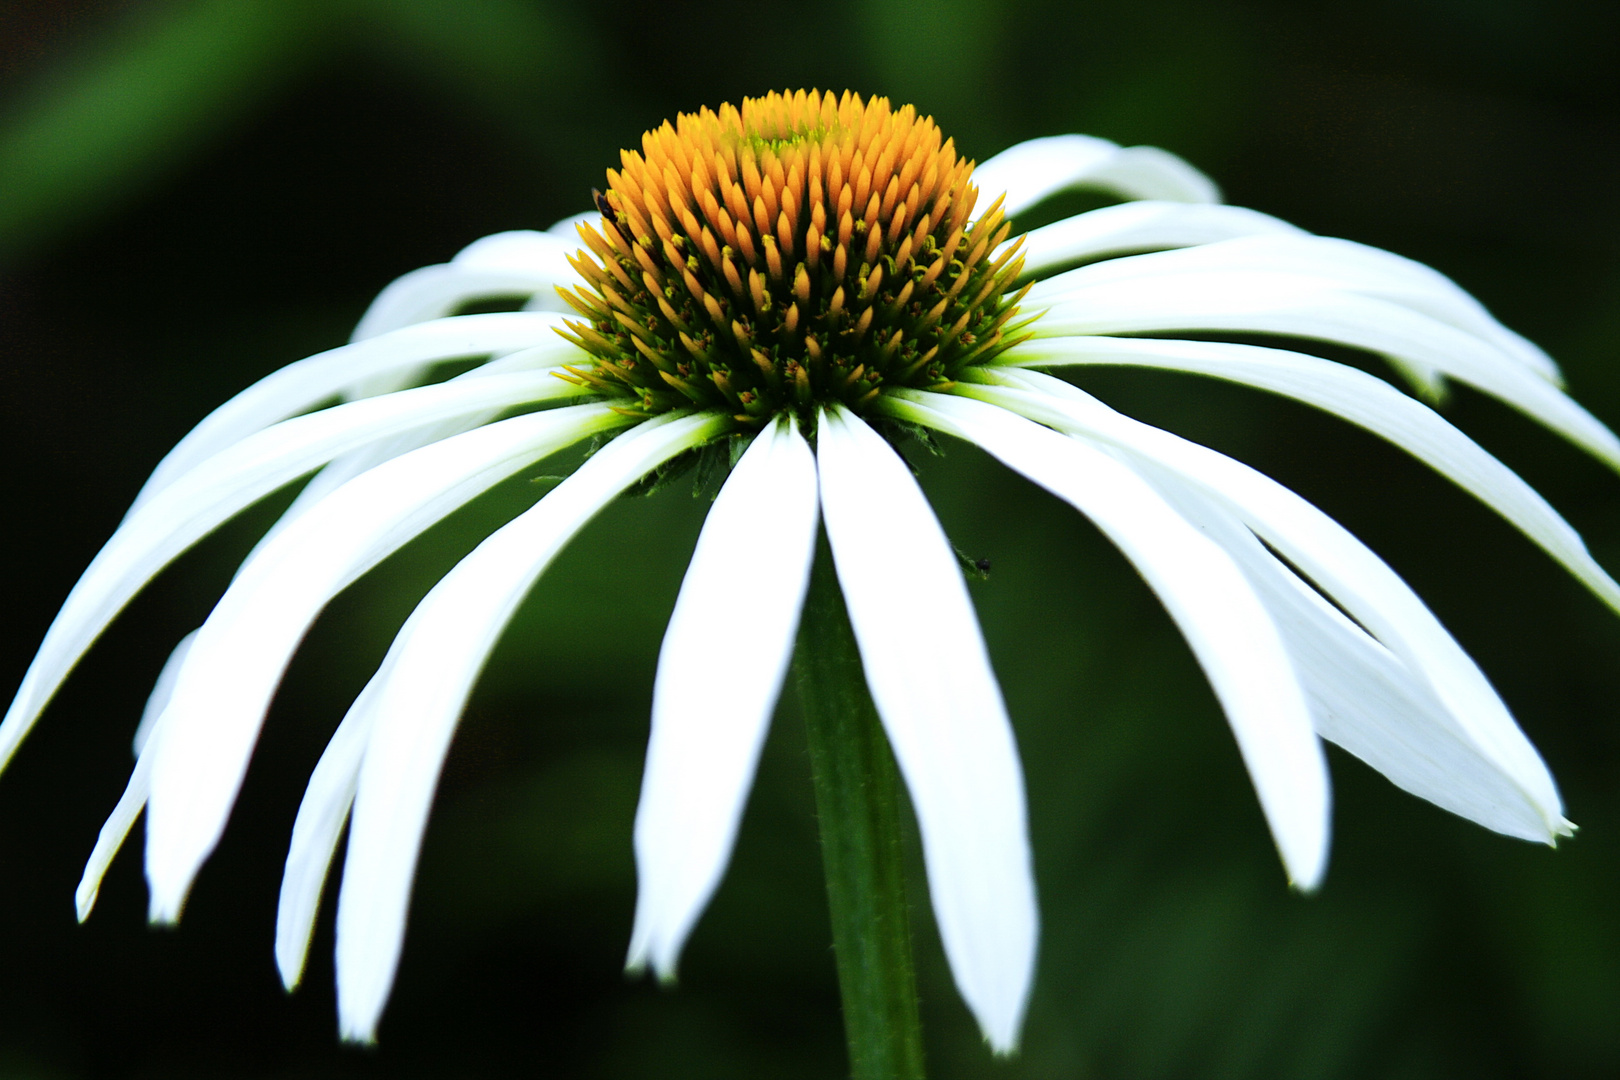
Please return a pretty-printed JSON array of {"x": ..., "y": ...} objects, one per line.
[{"x": 858, "y": 803}]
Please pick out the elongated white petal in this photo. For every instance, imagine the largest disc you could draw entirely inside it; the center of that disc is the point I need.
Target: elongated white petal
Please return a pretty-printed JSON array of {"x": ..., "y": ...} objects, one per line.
[
  {"x": 240, "y": 653},
  {"x": 1362, "y": 399},
  {"x": 116, "y": 828},
  {"x": 1031, "y": 171},
  {"x": 321, "y": 817},
  {"x": 436, "y": 659},
  {"x": 1141, "y": 226},
  {"x": 1272, "y": 303},
  {"x": 130, "y": 804},
  {"x": 1335, "y": 561},
  {"x": 719, "y": 673},
  {"x": 1213, "y": 604},
  {"x": 306, "y": 383},
  {"x": 162, "y": 691},
  {"x": 342, "y": 469},
  {"x": 1315, "y": 261},
  {"x": 196, "y": 503},
  {"x": 932, "y": 684},
  {"x": 505, "y": 264},
  {"x": 1362, "y": 696}
]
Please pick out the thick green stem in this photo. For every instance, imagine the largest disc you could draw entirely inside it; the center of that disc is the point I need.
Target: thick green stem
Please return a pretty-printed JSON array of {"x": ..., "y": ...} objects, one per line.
[{"x": 858, "y": 802}]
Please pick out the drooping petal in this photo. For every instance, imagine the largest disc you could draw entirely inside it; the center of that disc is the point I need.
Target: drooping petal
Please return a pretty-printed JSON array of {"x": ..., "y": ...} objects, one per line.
[
  {"x": 719, "y": 674},
  {"x": 162, "y": 691},
  {"x": 1213, "y": 604},
  {"x": 231, "y": 674},
  {"x": 1272, "y": 303},
  {"x": 321, "y": 817},
  {"x": 306, "y": 383},
  {"x": 1335, "y": 562},
  {"x": 193, "y": 505},
  {"x": 1311, "y": 261},
  {"x": 1358, "y": 397},
  {"x": 1031, "y": 171},
  {"x": 1141, "y": 226},
  {"x": 514, "y": 263},
  {"x": 1362, "y": 696},
  {"x": 130, "y": 804},
  {"x": 931, "y": 681},
  {"x": 435, "y": 659},
  {"x": 342, "y": 469}
]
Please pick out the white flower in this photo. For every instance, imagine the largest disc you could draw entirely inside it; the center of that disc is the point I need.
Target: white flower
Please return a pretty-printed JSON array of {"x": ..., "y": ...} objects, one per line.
[{"x": 1303, "y": 632}]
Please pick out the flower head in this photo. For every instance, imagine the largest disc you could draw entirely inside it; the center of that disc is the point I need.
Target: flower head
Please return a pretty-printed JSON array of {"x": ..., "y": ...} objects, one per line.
[{"x": 793, "y": 284}]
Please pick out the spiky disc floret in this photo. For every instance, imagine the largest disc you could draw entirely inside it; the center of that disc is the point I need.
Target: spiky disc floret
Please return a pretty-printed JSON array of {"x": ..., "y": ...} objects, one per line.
[{"x": 804, "y": 249}]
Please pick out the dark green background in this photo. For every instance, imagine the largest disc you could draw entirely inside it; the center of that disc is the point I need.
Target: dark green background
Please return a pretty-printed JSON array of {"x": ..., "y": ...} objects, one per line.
[{"x": 192, "y": 194}]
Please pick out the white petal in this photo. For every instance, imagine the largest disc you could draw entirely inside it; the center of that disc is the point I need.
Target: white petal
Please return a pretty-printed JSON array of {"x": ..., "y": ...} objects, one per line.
[
  {"x": 118, "y": 823},
  {"x": 213, "y": 492},
  {"x": 226, "y": 684},
  {"x": 162, "y": 691},
  {"x": 1031, "y": 171},
  {"x": 719, "y": 673},
  {"x": 1335, "y": 561},
  {"x": 1141, "y": 226},
  {"x": 436, "y": 658},
  {"x": 505, "y": 264},
  {"x": 303, "y": 385},
  {"x": 116, "y": 828},
  {"x": 1358, "y": 397},
  {"x": 1213, "y": 604},
  {"x": 1272, "y": 303},
  {"x": 1315, "y": 261},
  {"x": 321, "y": 817},
  {"x": 932, "y": 684},
  {"x": 345, "y": 468},
  {"x": 1362, "y": 696},
  {"x": 526, "y": 250}
]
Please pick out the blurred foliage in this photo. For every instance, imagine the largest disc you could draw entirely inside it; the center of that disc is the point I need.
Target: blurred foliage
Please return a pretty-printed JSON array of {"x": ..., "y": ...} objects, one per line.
[{"x": 195, "y": 192}]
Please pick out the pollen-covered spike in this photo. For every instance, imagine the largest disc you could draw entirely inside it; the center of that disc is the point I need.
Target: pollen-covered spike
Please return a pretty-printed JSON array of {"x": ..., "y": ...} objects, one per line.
[
  {"x": 717, "y": 314},
  {"x": 840, "y": 262},
  {"x": 733, "y": 278},
  {"x": 872, "y": 283},
  {"x": 874, "y": 241},
  {"x": 846, "y": 201},
  {"x": 846, "y": 228},
  {"x": 745, "y": 246},
  {"x": 863, "y": 324},
  {"x": 711, "y": 248},
  {"x": 790, "y": 321},
  {"x": 762, "y": 216},
  {"x": 650, "y": 265},
  {"x": 812, "y": 245},
  {"x": 773, "y": 257},
  {"x": 750, "y": 174},
  {"x": 837, "y": 304},
  {"x": 902, "y": 256},
  {"x": 736, "y": 201},
  {"x": 756, "y": 288},
  {"x": 902, "y": 298},
  {"x": 801, "y": 284},
  {"x": 862, "y": 186},
  {"x": 784, "y": 234}
]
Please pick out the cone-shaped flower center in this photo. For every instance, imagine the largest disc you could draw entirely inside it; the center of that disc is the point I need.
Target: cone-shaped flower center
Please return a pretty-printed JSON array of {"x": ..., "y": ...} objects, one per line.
[{"x": 804, "y": 249}]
